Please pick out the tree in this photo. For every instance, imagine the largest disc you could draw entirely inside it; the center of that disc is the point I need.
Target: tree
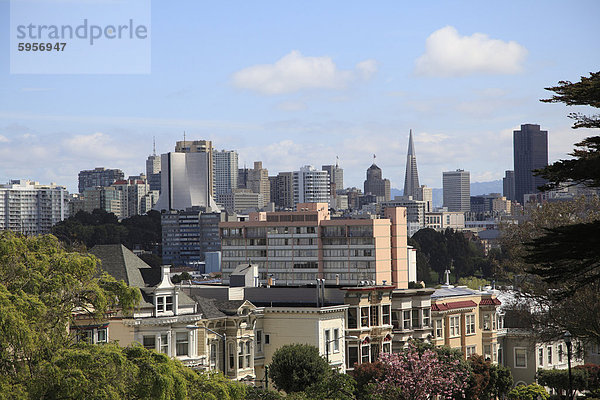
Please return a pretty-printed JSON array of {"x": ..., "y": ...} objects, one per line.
[
  {"x": 487, "y": 381},
  {"x": 365, "y": 375},
  {"x": 558, "y": 379},
  {"x": 335, "y": 387},
  {"x": 531, "y": 392},
  {"x": 108, "y": 371},
  {"x": 584, "y": 169},
  {"x": 295, "y": 367},
  {"x": 414, "y": 375}
]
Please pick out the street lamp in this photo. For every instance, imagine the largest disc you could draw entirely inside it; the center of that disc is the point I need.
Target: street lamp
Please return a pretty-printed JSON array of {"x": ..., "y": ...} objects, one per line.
[
  {"x": 333, "y": 340},
  {"x": 567, "y": 337},
  {"x": 223, "y": 336}
]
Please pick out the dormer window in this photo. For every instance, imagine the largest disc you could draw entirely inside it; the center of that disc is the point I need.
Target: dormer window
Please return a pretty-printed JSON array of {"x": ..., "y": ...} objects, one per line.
[{"x": 164, "y": 303}]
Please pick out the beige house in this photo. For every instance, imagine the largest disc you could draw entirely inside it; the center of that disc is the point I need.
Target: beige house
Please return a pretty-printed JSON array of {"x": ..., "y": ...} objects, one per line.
[
  {"x": 369, "y": 320},
  {"x": 161, "y": 320},
  {"x": 468, "y": 320},
  {"x": 411, "y": 316}
]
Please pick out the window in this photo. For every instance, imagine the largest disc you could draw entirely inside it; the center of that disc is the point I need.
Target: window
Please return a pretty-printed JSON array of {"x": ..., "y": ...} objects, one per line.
[
  {"x": 149, "y": 342},
  {"x": 364, "y": 354},
  {"x": 486, "y": 322},
  {"x": 213, "y": 354},
  {"x": 415, "y": 319},
  {"x": 487, "y": 352},
  {"x": 351, "y": 321},
  {"x": 385, "y": 314},
  {"x": 352, "y": 356},
  {"x": 520, "y": 357},
  {"x": 164, "y": 303},
  {"x": 495, "y": 352},
  {"x": 259, "y": 341},
  {"x": 102, "y": 335},
  {"x": 406, "y": 320},
  {"x": 248, "y": 353},
  {"x": 327, "y": 340},
  {"x": 470, "y": 350},
  {"x": 454, "y": 326},
  {"x": 169, "y": 303},
  {"x": 364, "y": 317},
  {"x": 232, "y": 356},
  {"x": 387, "y": 348},
  {"x": 164, "y": 344},
  {"x": 241, "y": 355},
  {"x": 267, "y": 338},
  {"x": 470, "y": 324},
  {"x": 560, "y": 353},
  {"x": 374, "y": 315},
  {"x": 439, "y": 328},
  {"x": 541, "y": 356},
  {"x": 396, "y": 316},
  {"x": 426, "y": 317},
  {"x": 549, "y": 351},
  {"x": 160, "y": 304},
  {"x": 336, "y": 340},
  {"x": 181, "y": 344}
]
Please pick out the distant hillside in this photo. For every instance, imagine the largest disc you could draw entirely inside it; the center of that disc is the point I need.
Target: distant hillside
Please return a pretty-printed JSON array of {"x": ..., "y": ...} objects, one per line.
[{"x": 477, "y": 188}]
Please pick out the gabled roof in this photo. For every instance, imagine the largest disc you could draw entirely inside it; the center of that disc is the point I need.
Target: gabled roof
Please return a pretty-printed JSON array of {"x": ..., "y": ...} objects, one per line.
[
  {"x": 122, "y": 264},
  {"x": 213, "y": 308}
]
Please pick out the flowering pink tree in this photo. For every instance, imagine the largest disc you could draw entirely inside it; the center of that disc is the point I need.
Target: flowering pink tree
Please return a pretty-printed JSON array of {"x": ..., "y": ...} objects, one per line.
[{"x": 412, "y": 375}]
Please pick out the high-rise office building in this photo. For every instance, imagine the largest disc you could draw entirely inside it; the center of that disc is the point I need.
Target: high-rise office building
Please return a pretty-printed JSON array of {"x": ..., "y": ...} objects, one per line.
[
  {"x": 530, "y": 147},
  {"x": 457, "y": 190},
  {"x": 153, "y": 169},
  {"x": 411, "y": 178},
  {"x": 282, "y": 191},
  {"x": 109, "y": 199},
  {"x": 376, "y": 185},
  {"x": 99, "y": 177},
  {"x": 30, "y": 208},
  {"x": 225, "y": 172},
  {"x": 257, "y": 181},
  {"x": 185, "y": 181},
  {"x": 310, "y": 185},
  {"x": 336, "y": 177},
  {"x": 508, "y": 185},
  {"x": 199, "y": 146},
  {"x": 188, "y": 234}
]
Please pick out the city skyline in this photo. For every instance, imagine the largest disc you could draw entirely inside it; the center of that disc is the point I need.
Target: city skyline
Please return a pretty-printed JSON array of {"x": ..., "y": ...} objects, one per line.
[{"x": 255, "y": 80}]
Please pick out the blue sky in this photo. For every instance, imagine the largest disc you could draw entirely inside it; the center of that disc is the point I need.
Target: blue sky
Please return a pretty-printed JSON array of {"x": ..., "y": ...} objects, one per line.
[{"x": 295, "y": 83}]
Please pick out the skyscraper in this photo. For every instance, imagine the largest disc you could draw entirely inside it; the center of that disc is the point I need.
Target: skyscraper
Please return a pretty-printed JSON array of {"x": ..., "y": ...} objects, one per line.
[
  {"x": 99, "y": 177},
  {"x": 199, "y": 146},
  {"x": 185, "y": 182},
  {"x": 310, "y": 185},
  {"x": 508, "y": 185},
  {"x": 153, "y": 170},
  {"x": 457, "y": 190},
  {"x": 336, "y": 177},
  {"x": 530, "y": 146},
  {"x": 225, "y": 172},
  {"x": 376, "y": 185},
  {"x": 411, "y": 179}
]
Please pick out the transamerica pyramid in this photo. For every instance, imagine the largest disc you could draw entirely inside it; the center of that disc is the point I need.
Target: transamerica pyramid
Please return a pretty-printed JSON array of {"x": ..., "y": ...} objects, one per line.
[{"x": 411, "y": 179}]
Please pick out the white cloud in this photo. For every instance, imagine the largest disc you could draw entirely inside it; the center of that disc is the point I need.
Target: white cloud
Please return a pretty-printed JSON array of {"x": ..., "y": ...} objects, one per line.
[
  {"x": 98, "y": 146},
  {"x": 295, "y": 72},
  {"x": 4, "y": 139},
  {"x": 447, "y": 53}
]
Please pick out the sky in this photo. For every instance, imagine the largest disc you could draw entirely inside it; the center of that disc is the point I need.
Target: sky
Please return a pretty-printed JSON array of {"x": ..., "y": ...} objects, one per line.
[{"x": 303, "y": 82}]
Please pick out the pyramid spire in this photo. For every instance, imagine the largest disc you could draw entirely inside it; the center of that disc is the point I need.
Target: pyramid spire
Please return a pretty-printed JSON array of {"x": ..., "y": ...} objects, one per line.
[{"x": 411, "y": 179}]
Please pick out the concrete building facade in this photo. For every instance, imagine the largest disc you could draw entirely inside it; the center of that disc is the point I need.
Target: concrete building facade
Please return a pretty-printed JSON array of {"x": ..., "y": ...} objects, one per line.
[
  {"x": 30, "y": 208},
  {"x": 457, "y": 190},
  {"x": 310, "y": 185},
  {"x": 376, "y": 185},
  {"x": 300, "y": 246},
  {"x": 225, "y": 172},
  {"x": 99, "y": 177}
]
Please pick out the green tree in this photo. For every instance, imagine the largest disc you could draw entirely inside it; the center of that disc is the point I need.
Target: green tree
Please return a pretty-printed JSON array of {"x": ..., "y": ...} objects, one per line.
[
  {"x": 531, "y": 392},
  {"x": 42, "y": 286},
  {"x": 473, "y": 282},
  {"x": 295, "y": 367},
  {"x": 558, "y": 379},
  {"x": 365, "y": 375},
  {"x": 578, "y": 266},
  {"x": 335, "y": 387},
  {"x": 487, "y": 381}
]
